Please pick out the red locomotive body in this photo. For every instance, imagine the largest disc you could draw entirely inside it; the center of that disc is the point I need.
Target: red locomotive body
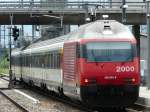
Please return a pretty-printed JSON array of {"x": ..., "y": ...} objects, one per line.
[{"x": 104, "y": 71}]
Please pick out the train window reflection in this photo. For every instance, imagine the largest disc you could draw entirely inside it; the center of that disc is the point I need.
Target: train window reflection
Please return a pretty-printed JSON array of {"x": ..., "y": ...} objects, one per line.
[{"x": 109, "y": 51}]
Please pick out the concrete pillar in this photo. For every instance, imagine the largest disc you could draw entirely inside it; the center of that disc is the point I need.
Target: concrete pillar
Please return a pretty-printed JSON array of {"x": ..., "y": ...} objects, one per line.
[
  {"x": 4, "y": 36},
  {"x": 33, "y": 32},
  {"x": 136, "y": 32},
  {"x": 0, "y": 35}
]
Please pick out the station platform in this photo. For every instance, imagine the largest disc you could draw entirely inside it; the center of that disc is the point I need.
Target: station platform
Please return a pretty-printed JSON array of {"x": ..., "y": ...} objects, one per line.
[{"x": 144, "y": 96}]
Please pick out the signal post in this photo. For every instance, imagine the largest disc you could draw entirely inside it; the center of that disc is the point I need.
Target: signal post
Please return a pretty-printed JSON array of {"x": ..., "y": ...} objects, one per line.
[
  {"x": 10, "y": 59},
  {"x": 15, "y": 33}
]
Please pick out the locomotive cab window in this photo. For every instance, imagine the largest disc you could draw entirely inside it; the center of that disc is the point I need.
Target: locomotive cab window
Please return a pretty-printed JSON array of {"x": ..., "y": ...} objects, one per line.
[{"x": 109, "y": 51}]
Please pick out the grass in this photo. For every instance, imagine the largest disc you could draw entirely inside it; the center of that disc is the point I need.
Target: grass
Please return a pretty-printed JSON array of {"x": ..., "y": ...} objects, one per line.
[{"x": 4, "y": 64}]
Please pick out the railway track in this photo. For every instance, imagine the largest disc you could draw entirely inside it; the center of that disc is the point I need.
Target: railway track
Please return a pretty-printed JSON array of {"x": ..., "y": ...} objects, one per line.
[
  {"x": 14, "y": 102},
  {"x": 4, "y": 77},
  {"x": 59, "y": 98},
  {"x": 135, "y": 108},
  {"x": 138, "y": 108}
]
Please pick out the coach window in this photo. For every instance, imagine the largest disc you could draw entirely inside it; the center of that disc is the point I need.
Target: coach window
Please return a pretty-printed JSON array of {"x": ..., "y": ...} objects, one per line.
[
  {"x": 48, "y": 61},
  {"x": 59, "y": 60},
  {"x": 51, "y": 60},
  {"x": 15, "y": 60},
  {"x": 35, "y": 61},
  {"x": 28, "y": 61},
  {"x": 32, "y": 60},
  {"x": 24, "y": 61},
  {"x": 19, "y": 60},
  {"x": 38, "y": 60},
  {"x": 42, "y": 60},
  {"x": 28, "y": 57},
  {"x": 54, "y": 61},
  {"x": 12, "y": 61},
  {"x": 45, "y": 60}
]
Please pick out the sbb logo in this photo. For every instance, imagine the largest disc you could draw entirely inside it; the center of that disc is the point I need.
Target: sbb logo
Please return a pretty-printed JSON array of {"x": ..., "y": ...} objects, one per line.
[{"x": 125, "y": 69}]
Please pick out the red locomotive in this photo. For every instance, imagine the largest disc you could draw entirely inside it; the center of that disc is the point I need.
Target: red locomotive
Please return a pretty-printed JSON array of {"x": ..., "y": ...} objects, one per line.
[{"x": 96, "y": 64}]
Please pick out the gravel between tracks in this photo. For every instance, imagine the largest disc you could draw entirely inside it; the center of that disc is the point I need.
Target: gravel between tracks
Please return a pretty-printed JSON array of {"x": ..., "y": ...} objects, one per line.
[
  {"x": 3, "y": 83},
  {"x": 45, "y": 105},
  {"x": 7, "y": 106}
]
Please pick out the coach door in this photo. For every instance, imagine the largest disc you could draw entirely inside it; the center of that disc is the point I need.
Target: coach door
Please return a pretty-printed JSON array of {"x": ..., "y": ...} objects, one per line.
[{"x": 69, "y": 68}]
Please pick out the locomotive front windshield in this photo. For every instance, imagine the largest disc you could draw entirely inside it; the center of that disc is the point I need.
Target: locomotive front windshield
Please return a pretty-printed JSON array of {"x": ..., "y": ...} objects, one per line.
[{"x": 109, "y": 51}]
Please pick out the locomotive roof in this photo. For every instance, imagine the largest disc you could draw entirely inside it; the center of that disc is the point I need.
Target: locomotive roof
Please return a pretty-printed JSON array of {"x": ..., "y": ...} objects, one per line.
[{"x": 102, "y": 29}]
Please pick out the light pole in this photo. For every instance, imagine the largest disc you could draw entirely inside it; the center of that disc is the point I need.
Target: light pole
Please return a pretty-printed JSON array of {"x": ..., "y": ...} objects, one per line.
[
  {"x": 124, "y": 6},
  {"x": 10, "y": 59},
  {"x": 148, "y": 37}
]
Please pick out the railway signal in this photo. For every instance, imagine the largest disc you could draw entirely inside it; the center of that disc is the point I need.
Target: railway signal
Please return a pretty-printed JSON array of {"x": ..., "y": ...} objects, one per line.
[{"x": 15, "y": 33}]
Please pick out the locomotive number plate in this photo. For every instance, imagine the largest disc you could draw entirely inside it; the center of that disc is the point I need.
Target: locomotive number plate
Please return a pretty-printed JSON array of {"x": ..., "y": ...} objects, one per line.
[{"x": 125, "y": 68}]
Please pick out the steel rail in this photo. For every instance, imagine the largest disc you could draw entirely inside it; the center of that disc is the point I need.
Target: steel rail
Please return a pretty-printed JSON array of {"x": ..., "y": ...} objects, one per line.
[
  {"x": 138, "y": 107},
  {"x": 52, "y": 95},
  {"x": 14, "y": 102},
  {"x": 57, "y": 97},
  {"x": 4, "y": 75}
]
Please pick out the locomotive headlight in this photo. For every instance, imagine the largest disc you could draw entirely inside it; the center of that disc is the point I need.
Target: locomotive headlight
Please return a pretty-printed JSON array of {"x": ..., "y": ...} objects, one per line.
[
  {"x": 89, "y": 81},
  {"x": 129, "y": 80},
  {"x": 86, "y": 80},
  {"x": 133, "y": 80}
]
